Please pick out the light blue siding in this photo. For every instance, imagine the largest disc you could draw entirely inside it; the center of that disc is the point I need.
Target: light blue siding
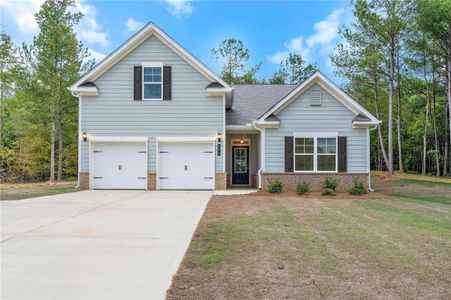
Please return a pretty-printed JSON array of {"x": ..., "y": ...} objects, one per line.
[
  {"x": 332, "y": 116},
  {"x": 114, "y": 113}
]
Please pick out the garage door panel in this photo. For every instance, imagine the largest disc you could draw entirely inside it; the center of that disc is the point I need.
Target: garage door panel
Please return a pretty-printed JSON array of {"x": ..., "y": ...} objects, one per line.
[
  {"x": 186, "y": 166},
  {"x": 119, "y": 165}
]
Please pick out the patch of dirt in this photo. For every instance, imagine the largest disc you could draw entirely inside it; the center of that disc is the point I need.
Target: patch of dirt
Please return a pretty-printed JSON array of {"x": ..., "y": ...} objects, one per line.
[
  {"x": 35, "y": 184},
  {"x": 257, "y": 273}
]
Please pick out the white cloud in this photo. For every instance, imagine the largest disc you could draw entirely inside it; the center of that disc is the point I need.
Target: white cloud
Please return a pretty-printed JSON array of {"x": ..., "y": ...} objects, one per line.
[
  {"x": 325, "y": 31},
  {"x": 96, "y": 55},
  {"x": 132, "y": 25},
  {"x": 89, "y": 30},
  {"x": 180, "y": 8},
  {"x": 22, "y": 13}
]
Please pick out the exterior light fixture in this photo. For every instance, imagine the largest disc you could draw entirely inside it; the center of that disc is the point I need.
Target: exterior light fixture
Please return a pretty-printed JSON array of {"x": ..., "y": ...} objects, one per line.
[
  {"x": 219, "y": 137},
  {"x": 84, "y": 136},
  {"x": 241, "y": 141}
]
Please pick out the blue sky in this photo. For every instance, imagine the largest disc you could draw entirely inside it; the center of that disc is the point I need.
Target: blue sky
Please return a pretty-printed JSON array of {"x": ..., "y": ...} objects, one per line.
[{"x": 270, "y": 29}]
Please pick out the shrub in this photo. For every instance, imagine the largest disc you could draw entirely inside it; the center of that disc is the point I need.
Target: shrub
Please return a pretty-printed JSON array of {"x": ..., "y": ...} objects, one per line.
[
  {"x": 302, "y": 187},
  {"x": 327, "y": 192},
  {"x": 358, "y": 188},
  {"x": 331, "y": 183},
  {"x": 274, "y": 185}
]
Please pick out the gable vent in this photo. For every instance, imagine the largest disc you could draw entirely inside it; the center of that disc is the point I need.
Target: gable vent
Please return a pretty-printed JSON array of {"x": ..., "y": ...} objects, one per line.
[{"x": 316, "y": 96}]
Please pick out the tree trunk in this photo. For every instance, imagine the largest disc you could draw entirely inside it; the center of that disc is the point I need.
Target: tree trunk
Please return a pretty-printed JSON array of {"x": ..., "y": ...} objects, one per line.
[
  {"x": 379, "y": 130},
  {"x": 446, "y": 153},
  {"x": 60, "y": 146},
  {"x": 398, "y": 122},
  {"x": 434, "y": 122},
  {"x": 390, "y": 108},
  {"x": 52, "y": 145},
  {"x": 449, "y": 88},
  {"x": 423, "y": 165}
]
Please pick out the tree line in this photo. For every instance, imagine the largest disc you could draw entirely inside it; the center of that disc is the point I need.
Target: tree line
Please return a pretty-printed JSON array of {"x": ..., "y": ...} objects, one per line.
[{"x": 395, "y": 59}]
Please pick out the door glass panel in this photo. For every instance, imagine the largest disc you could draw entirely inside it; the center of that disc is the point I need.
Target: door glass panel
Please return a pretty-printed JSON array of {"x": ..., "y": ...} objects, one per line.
[{"x": 240, "y": 160}]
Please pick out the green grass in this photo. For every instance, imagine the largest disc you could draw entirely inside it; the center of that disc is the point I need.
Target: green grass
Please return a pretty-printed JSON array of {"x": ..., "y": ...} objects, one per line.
[
  {"x": 35, "y": 191},
  {"x": 399, "y": 246}
]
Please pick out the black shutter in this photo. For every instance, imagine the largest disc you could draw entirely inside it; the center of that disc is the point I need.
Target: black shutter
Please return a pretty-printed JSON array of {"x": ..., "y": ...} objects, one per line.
[
  {"x": 167, "y": 83},
  {"x": 137, "y": 83},
  {"x": 288, "y": 154},
  {"x": 342, "y": 154}
]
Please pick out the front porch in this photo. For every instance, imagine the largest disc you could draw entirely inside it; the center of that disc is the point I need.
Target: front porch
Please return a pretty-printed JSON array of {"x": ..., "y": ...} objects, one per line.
[{"x": 242, "y": 159}]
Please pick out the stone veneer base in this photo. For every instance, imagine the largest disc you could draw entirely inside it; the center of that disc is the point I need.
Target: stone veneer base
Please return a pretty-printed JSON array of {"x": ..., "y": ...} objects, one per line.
[
  {"x": 83, "y": 180},
  {"x": 220, "y": 181},
  {"x": 290, "y": 180}
]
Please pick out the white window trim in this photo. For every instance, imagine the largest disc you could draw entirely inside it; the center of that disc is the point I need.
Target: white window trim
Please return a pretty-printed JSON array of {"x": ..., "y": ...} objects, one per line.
[
  {"x": 152, "y": 64},
  {"x": 315, "y": 137}
]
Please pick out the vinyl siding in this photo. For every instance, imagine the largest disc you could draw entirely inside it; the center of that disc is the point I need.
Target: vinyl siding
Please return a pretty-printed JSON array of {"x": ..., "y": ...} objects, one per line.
[
  {"x": 332, "y": 116},
  {"x": 114, "y": 112}
]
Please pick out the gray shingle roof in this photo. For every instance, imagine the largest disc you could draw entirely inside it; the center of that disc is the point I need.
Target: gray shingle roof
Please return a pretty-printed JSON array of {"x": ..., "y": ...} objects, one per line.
[
  {"x": 215, "y": 84},
  {"x": 361, "y": 118},
  {"x": 87, "y": 84},
  {"x": 250, "y": 101}
]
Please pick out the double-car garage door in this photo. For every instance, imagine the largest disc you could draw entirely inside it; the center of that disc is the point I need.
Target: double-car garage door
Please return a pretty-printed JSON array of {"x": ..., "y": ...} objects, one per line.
[{"x": 180, "y": 165}]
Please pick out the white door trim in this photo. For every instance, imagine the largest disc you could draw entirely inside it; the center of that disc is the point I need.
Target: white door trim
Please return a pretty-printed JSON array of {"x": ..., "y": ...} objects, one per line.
[{"x": 249, "y": 159}]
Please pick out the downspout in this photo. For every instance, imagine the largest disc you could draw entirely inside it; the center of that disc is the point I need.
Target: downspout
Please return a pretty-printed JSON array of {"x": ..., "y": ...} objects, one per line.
[
  {"x": 259, "y": 172},
  {"x": 369, "y": 159}
]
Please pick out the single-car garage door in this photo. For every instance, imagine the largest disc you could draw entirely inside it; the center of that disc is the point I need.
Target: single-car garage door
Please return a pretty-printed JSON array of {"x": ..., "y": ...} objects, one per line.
[
  {"x": 186, "y": 166},
  {"x": 119, "y": 165}
]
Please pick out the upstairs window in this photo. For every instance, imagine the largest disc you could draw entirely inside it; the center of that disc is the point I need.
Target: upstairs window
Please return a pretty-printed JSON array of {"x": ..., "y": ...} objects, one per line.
[{"x": 152, "y": 81}]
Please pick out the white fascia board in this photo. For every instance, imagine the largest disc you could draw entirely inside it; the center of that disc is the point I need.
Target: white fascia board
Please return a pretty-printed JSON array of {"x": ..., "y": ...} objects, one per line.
[
  {"x": 92, "y": 91},
  {"x": 315, "y": 134},
  {"x": 146, "y": 32},
  {"x": 267, "y": 124},
  {"x": 95, "y": 138},
  {"x": 217, "y": 91},
  {"x": 183, "y": 139},
  {"x": 241, "y": 128},
  {"x": 364, "y": 124},
  {"x": 330, "y": 87}
]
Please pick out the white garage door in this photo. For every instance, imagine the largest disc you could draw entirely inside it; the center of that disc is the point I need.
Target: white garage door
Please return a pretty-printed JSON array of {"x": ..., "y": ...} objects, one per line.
[
  {"x": 119, "y": 165},
  {"x": 186, "y": 166}
]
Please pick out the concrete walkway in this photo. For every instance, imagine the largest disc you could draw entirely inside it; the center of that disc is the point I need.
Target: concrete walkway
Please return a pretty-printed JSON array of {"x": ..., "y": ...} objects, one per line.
[{"x": 96, "y": 244}]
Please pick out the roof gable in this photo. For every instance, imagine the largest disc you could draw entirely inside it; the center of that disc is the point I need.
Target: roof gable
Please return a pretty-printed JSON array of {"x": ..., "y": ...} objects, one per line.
[
  {"x": 331, "y": 88},
  {"x": 146, "y": 32}
]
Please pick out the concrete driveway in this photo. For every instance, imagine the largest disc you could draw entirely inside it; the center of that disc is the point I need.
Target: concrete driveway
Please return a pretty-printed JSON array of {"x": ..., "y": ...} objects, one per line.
[{"x": 96, "y": 244}]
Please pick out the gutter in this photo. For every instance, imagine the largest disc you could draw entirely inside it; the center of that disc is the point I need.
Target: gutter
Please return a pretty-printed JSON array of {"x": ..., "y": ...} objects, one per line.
[{"x": 259, "y": 172}]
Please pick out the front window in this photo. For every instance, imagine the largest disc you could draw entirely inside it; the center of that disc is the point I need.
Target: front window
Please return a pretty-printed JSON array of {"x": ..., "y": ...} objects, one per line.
[
  {"x": 313, "y": 154},
  {"x": 152, "y": 83},
  {"x": 304, "y": 154}
]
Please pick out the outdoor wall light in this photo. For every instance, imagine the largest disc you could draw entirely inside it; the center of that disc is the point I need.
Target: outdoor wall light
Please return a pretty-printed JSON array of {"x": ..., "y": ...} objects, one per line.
[
  {"x": 84, "y": 136},
  {"x": 241, "y": 141},
  {"x": 219, "y": 137}
]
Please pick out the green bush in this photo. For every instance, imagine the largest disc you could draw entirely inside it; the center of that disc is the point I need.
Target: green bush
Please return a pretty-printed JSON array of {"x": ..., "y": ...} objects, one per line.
[
  {"x": 358, "y": 188},
  {"x": 328, "y": 192},
  {"x": 274, "y": 185},
  {"x": 331, "y": 183},
  {"x": 302, "y": 187}
]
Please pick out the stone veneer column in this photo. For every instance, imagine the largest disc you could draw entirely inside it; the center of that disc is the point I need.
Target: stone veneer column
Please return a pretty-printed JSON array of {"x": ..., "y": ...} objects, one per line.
[
  {"x": 221, "y": 181},
  {"x": 84, "y": 180},
  {"x": 151, "y": 181}
]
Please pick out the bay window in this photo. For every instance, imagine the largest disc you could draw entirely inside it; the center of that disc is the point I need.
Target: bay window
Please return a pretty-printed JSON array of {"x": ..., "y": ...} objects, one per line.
[{"x": 315, "y": 154}]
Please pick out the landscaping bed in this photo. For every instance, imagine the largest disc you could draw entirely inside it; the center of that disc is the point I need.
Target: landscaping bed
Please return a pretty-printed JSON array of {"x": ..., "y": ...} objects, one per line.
[{"x": 18, "y": 191}]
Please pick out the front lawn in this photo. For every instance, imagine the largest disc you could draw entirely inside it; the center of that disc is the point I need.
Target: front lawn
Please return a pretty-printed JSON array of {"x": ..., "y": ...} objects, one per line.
[
  {"x": 394, "y": 244},
  {"x": 31, "y": 190}
]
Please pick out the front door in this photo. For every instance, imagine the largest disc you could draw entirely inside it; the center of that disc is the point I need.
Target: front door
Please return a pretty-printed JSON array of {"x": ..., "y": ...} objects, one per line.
[{"x": 240, "y": 165}]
